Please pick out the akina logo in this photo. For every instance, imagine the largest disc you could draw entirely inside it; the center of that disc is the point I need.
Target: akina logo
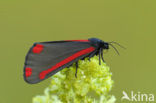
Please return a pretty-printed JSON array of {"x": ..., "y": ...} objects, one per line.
[{"x": 137, "y": 96}]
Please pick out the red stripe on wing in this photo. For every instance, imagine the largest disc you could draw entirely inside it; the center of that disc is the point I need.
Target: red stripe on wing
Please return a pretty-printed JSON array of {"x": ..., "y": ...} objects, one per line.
[
  {"x": 28, "y": 72},
  {"x": 65, "y": 61},
  {"x": 38, "y": 48}
]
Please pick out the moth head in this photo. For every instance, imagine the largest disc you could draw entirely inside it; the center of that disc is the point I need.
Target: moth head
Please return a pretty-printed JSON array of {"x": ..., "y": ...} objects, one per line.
[{"x": 105, "y": 45}]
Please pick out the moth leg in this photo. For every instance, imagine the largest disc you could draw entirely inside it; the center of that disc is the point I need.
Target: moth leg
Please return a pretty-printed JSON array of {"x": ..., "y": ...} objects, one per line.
[
  {"x": 92, "y": 54},
  {"x": 102, "y": 55},
  {"x": 76, "y": 69}
]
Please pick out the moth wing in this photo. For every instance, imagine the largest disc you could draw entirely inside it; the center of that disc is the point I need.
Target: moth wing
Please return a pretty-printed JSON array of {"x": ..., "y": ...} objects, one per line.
[{"x": 47, "y": 58}]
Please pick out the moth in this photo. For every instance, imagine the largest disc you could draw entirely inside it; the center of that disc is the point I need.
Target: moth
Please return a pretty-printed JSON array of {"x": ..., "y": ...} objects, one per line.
[{"x": 44, "y": 59}]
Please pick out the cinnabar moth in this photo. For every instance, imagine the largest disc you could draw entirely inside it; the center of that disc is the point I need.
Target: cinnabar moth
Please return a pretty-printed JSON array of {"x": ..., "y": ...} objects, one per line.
[{"x": 44, "y": 59}]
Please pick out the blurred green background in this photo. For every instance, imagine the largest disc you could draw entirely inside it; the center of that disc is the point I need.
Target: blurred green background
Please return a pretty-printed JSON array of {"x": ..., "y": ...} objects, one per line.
[{"x": 129, "y": 22}]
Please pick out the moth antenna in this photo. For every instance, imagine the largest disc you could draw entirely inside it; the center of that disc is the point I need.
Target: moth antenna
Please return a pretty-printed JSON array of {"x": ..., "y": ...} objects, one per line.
[
  {"x": 114, "y": 48},
  {"x": 117, "y": 44}
]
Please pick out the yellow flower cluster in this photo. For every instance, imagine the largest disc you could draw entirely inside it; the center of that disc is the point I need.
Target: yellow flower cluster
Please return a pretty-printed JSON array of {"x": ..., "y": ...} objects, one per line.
[{"x": 92, "y": 85}]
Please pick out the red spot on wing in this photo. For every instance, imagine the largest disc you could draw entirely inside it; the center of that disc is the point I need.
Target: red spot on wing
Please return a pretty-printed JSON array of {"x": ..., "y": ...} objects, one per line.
[
  {"x": 28, "y": 72},
  {"x": 38, "y": 48},
  {"x": 79, "y": 40},
  {"x": 63, "y": 62}
]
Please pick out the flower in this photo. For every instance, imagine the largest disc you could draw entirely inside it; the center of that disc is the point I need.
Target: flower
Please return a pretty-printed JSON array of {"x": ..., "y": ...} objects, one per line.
[{"x": 92, "y": 85}]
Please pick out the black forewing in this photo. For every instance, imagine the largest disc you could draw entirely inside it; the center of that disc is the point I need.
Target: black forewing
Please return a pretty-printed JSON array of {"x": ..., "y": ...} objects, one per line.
[{"x": 52, "y": 53}]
